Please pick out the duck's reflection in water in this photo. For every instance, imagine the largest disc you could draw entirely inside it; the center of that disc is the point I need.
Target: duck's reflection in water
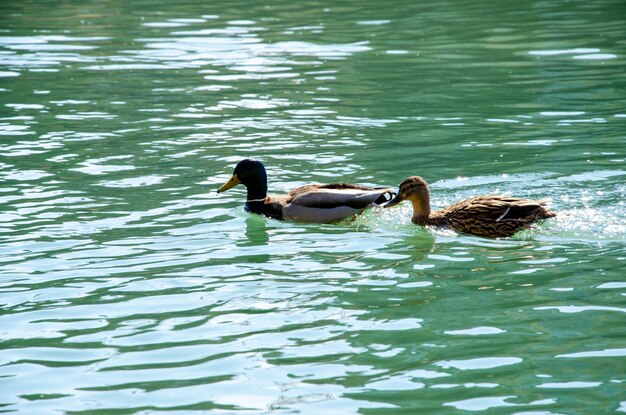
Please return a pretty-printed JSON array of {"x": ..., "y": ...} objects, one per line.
[{"x": 256, "y": 232}]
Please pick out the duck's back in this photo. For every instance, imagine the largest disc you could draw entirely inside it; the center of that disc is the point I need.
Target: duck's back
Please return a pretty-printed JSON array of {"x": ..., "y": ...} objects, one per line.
[
  {"x": 492, "y": 216},
  {"x": 338, "y": 195},
  {"x": 332, "y": 202}
]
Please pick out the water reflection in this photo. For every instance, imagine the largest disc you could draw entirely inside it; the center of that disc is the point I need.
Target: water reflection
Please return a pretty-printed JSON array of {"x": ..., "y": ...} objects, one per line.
[{"x": 256, "y": 234}]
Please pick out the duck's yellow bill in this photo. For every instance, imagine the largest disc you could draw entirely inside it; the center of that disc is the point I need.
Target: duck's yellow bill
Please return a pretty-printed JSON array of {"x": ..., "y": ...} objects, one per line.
[{"x": 232, "y": 182}]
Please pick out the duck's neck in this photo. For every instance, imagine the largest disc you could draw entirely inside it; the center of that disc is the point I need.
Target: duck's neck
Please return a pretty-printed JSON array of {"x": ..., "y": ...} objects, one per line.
[
  {"x": 256, "y": 195},
  {"x": 421, "y": 208},
  {"x": 257, "y": 188}
]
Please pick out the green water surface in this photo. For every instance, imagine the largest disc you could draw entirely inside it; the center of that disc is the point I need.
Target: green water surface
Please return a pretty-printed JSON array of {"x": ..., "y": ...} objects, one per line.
[{"x": 128, "y": 286}]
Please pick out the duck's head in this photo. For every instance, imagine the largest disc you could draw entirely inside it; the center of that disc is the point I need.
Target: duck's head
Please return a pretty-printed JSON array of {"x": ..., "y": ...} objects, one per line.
[
  {"x": 249, "y": 172},
  {"x": 412, "y": 188}
]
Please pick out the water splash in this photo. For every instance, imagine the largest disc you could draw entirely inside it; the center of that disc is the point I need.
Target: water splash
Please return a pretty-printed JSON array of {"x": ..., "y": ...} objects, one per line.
[{"x": 590, "y": 223}]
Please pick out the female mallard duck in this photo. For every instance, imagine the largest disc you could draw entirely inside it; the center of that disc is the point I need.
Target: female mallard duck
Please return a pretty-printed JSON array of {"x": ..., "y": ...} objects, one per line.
[
  {"x": 490, "y": 216},
  {"x": 320, "y": 203}
]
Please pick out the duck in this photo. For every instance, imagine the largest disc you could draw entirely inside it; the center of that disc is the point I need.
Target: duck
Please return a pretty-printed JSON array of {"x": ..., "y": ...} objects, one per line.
[
  {"x": 319, "y": 203},
  {"x": 489, "y": 216}
]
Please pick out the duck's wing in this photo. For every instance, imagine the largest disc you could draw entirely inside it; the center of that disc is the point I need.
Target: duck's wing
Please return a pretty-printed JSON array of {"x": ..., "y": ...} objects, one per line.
[
  {"x": 329, "y": 197},
  {"x": 524, "y": 210},
  {"x": 331, "y": 203},
  {"x": 495, "y": 208}
]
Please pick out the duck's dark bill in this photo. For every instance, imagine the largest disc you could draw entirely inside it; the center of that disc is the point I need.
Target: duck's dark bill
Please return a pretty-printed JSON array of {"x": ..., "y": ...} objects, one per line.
[
  {"x": 396, "y": 200},
  {"x": 232, "y": 182}
]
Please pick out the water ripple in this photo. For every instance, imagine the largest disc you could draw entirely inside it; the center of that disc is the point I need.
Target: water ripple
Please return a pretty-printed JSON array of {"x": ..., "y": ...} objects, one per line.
[{"x": 128, "y": 285}]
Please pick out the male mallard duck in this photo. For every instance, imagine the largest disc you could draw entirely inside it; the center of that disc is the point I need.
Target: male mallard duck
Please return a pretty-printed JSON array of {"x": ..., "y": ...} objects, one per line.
[
  {"x": 320, "y": 203},
  {"x": 490, "y": 216}
]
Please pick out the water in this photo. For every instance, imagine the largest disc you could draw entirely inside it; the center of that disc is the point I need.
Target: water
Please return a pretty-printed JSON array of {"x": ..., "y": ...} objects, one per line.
[{"x": 129, "y": 286}]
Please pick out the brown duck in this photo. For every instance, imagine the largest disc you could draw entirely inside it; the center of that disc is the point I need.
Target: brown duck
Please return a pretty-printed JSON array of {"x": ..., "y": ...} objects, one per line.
[{"x": 489, "y": 216}]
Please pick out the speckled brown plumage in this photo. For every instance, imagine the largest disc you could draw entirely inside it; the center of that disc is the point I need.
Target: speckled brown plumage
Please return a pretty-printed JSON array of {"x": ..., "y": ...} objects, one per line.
[{"x": 490, "y": 216}]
